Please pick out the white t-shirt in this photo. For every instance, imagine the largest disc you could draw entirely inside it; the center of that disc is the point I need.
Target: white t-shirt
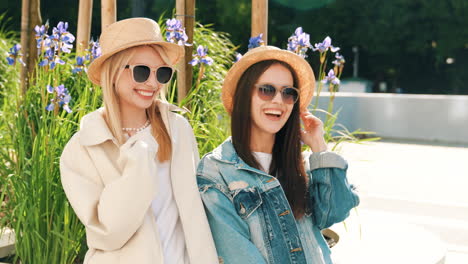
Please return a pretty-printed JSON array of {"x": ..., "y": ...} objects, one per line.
[
  {"x": 166, "y": 214},
  {"x": 264, "y": 159},
  {"x": 167, "y": 218}
]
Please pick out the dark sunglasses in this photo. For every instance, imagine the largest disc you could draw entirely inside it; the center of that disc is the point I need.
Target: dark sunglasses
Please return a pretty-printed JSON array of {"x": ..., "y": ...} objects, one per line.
[
  {"x": 141, "y": 73},
  {"x": 267, "y": 92}
]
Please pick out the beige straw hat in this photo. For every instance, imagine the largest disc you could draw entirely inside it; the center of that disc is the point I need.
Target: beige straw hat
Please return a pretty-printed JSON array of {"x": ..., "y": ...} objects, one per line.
[
  {"x": 305, "y": 75},
  {"x": 129, "y": 33}
]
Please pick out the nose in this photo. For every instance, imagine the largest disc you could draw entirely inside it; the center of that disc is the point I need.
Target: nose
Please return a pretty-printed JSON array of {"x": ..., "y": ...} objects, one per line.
[
  {"x": 152, "y": 80},
  {"x": 277, "y": 98}
]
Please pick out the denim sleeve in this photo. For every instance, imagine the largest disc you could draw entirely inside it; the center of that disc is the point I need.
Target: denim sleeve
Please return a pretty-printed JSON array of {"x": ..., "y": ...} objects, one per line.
[
  {"x": 331, "y": 196},
  {"x": 230, "y": 233}
]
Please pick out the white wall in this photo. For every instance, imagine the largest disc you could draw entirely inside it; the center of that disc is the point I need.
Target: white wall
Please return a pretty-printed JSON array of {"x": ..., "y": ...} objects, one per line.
[{"x": 404, "y": 116}]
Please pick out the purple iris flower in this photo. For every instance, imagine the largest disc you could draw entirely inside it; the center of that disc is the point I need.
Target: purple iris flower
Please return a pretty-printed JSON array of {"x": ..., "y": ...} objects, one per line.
[
  {"x": 79, "y": 65},
  {"x": 51, "y": 45},
  {"x": 173, "y": 24},
  {"x": 303, "y": 40},
  {"x": 175, "y": 33},
  {"x": 61, "y": 28},
  {"x": 50, "y": 59},
  {"x": 325, "y": 45},
  {"x": 331, "y": 77},
  {"x": 93, "y": 51},
  {"x": 201, "y": 57},
  {"x": 299, "y": 42},
  {"x": 62, "y": 98},
  {"x": 256, "y": 41},
  {"x": 52, "y": 41},
  {"x": 66, "y": 41},
  {"x": 96, "y": 50},
  {"x": 292, "y": 45},
  {"x": 339, "y": 60},
  {"x": 40, "y": 31},
  {"x": 60, "y": 39},
  {"x": 15, "y": 55},
  {"x": 41, "y": 34}
]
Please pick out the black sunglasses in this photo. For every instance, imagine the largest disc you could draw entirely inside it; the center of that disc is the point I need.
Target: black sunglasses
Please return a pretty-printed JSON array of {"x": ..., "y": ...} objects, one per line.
[
  {"x": 267, "y": 92},
  {"x": 141, "y": 73}
]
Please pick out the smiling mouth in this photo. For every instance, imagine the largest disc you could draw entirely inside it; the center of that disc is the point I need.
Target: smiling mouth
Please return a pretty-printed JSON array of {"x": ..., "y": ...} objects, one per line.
[
  {"x": 273, "y": 113},
  {"x": 145, "y": 92}
]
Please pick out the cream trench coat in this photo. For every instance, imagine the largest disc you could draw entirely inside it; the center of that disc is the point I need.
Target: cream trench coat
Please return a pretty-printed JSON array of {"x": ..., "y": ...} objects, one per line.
[{"x": 111, "y": 189}]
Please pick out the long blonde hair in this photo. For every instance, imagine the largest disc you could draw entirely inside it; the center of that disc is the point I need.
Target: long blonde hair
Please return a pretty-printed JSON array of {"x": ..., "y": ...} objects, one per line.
[{"x": 111, "y": 70}]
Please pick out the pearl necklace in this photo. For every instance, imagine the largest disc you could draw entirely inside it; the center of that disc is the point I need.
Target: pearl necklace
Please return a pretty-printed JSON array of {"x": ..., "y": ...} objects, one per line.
[{"x": 137, "y": 129}]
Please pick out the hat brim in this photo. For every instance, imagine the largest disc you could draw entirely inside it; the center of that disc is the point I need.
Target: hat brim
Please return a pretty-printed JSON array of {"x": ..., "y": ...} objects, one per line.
[
  {"x": 174, "y": 52},
  {"x": 304, "y": 73}
]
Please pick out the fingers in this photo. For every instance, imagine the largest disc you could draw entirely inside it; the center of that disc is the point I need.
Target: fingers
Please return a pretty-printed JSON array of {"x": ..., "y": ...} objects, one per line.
[
  {"x": 307, "y": 115},
  {"x": 309, "y": 119}
]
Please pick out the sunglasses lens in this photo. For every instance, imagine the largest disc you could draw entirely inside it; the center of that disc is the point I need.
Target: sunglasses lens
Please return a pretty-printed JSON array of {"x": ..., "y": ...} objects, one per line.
[
  {"x": 266, "y": 92},
  {"x": 290, "y": 95},
  {"x": 141, "y": 73},
  {"x": 164, "y": 74}
]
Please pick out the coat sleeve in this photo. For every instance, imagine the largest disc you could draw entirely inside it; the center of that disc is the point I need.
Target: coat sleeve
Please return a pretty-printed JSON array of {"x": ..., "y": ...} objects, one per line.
[
  {"x": 331, "y": 196},
  {"x": 231, "y": 233},
  {"x": 111, "y": 213}
]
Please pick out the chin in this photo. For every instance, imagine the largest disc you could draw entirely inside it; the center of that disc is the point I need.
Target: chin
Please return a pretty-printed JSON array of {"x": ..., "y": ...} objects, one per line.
[
  {"x": 143, "y": 106},
  {"x": 272, "y": 130}
]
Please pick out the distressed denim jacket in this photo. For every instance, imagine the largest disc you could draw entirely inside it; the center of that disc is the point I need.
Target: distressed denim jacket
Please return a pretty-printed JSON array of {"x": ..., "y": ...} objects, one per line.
[{"x": 250, "y": 217}]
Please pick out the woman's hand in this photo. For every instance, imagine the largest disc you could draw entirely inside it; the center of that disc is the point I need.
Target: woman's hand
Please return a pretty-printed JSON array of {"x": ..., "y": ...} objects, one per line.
[{"x": 312, "y": 134}]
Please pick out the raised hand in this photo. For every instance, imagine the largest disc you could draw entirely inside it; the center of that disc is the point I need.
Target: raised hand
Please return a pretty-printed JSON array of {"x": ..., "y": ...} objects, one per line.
[{"x": 312, "y": 134}]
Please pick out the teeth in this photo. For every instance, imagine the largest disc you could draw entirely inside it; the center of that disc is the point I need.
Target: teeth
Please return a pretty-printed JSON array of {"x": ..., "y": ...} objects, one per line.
[
  {"x": 273, "y": 112},
  {"x": 145, "y": 93}
]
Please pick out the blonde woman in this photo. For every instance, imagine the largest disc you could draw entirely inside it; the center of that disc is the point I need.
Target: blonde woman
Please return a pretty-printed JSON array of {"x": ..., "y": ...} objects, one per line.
[{"x": 129, "y": 172}]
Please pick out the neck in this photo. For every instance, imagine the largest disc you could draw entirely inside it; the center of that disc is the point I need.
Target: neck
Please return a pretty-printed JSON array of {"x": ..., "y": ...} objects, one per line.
[
  {"x": 133, "y": 117},
  {"x": 262, "y": 142}
]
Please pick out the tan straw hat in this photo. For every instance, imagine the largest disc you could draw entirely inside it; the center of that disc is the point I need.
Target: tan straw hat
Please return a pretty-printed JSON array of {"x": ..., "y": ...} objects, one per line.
[
  {"x": 305, "y": 75},
  {"x": 129, "y": 33}
]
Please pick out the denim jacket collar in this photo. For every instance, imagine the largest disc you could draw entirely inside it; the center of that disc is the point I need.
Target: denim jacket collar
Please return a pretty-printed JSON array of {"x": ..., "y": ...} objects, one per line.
[{"x": 227, "y": 153}]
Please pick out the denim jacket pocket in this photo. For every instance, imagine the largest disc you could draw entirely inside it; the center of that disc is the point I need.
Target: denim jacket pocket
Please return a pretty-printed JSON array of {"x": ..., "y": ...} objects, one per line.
[{"x": 246, "y": 201}]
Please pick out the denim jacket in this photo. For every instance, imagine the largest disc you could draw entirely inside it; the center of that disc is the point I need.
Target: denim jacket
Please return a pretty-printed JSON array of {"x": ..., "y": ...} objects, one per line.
[{"x": 251, "y": 219}]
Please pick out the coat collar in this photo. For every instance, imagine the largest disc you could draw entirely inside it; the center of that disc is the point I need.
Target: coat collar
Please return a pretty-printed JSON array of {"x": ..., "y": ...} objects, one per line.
[{"x": 94, "y": 129}]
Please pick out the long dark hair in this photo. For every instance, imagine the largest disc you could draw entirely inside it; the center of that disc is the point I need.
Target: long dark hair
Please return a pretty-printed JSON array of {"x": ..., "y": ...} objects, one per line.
[{"x": 286, "y": 159}]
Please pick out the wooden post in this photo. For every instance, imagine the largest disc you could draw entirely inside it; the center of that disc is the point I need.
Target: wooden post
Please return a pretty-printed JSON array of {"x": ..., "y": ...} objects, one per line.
[
  {"x": 260, "y": 19},
  {"x": 186, "y": 13},
  {"x": 181, "y": 74},
  {"x": 84, "y": 25},
  {"x": 30, "y": 17},
  {"x": 108, "y": 13}
]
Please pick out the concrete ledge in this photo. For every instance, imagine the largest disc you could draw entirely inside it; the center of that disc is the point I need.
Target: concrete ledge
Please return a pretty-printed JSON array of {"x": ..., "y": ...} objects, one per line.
[
  {"x": 441, "y": 118},
  {"x": 7, "y": 242}
]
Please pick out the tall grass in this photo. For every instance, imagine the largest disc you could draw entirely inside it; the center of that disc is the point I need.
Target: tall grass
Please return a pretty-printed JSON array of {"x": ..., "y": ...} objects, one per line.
[
  {"x": 9, "y": 77},
  {"x": 47, "y": 229},
  {"x": 206, "y": 114}
]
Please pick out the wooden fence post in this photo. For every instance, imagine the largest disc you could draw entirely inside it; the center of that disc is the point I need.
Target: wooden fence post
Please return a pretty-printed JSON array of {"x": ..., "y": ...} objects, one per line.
[
  {"x": 260, "y": 19},
  {"x": 30, "y": 17},
  {"x": 108, "y": 13},
  {"x": 181, "y": 74},
  {"x": 185, "y": 11},
  {"x": 85, "y": 12}
]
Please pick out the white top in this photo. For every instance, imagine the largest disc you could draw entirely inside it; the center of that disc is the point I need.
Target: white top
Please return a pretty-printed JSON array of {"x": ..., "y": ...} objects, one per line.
[
  {"x": 167, "y": 218},
  {"x": 264, "y": 159},
  {"x": 166, "y": 214}
]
